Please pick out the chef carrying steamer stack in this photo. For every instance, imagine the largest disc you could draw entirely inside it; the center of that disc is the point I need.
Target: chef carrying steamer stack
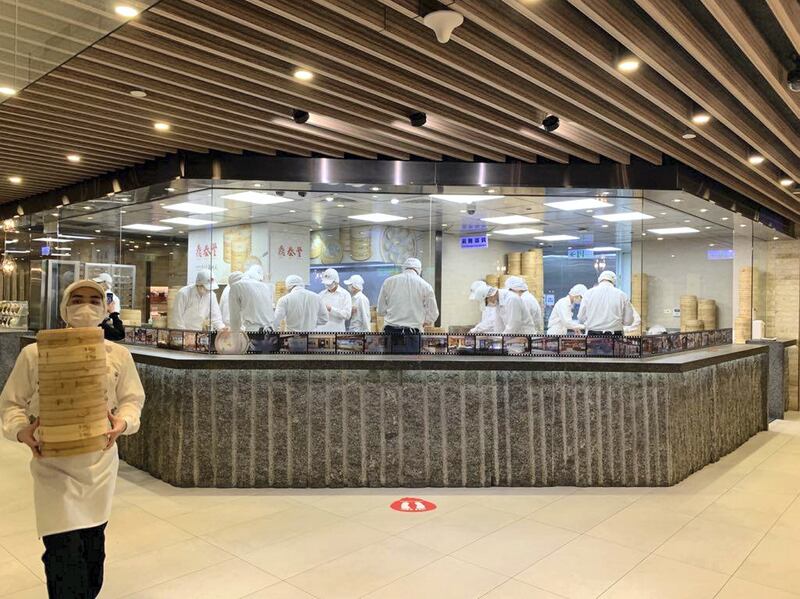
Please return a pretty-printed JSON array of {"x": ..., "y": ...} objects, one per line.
[{"x": 60, "y": 417}]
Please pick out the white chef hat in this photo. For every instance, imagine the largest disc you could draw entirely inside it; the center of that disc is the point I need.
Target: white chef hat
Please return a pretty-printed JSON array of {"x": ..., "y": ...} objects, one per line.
[
  {"x": 235, "y": 277},
  {"x": 481, "y": 293},
  {"x": 356, "y": 281},
  {"x": 578, "y": 289},
  {"x": 104, "y": 278},
  {"x": 608, "y": 275},
  {"x": 474, "y": 287},
  {"x": 516, "y": 284},
  {"x": 62, "y": 308},
  {"x": 205, "y": 279},
  {"x": 294, "y": 281},
  {"x": 413, "y": 264},
  {"x": 330, "y": 275},
  {"x": 255, "y": 273}
]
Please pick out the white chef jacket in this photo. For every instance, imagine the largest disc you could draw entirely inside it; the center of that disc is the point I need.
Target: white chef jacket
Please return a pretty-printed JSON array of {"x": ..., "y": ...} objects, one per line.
[
  {"x": 513, "y": 316},
  {"x": 605, "y": 308},
  {"x": 192, "y": 310},
  {"x": 72, "y": 492},
  {"x": 302, "y": 310},
  {"x": 535, "y": 309},
  {"x": 341, "y": 309},
  {"x": 488, "y": 323},
  {"x": 225, "y": 306},
  {"x": 637, "y": 321},
  {"x": 360, "y": 322},
  {"x": 561, "y": 320},
  {"x": 251, "y": 305},
  {"x": 407, "y": 301}
]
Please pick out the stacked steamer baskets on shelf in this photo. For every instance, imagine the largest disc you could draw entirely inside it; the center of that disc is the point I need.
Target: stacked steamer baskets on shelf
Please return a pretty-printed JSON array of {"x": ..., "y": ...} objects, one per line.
[
  {"x": 707, "y": 313},
  {"x": 73, "y": 408},
  {"x": 377, "y": 321},
  {"x": 689, "y": 321},
  {"x": 133, "y": 318},
  {"x": 514, "y": 264},
  {"x": 639, "y": 295},
  {"x": 532, "y": 270},
  {"x": 280, "y": 290},
  {"x": 743, "y": 325},
  {"x": 493, "y": 280}
]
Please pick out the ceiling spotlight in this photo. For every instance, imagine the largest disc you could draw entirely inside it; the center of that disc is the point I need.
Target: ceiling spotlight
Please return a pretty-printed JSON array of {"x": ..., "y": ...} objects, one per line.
[
  {"x": 418, "y": 119},
  {"x": 628, "y": 63},
  {"x": 550, "y": 123},
  {"x": 20, "y": 211},
  {"x": 328, "y": 198},
  {"x": 786, "y": 182},
  {"x": 689, "y": 135},
  {"x": 755, "y": 158},
  {"x": 443, "y": 22},
  {"x": 138, "y": 93},
  {"x": 300, "y": 116},
  {"x": 700, "y": 117},
  {"x": 7, "y": 91},
  {"x": 161, "y": 126},
  {"x": 73, "y": 157},
  {"x": 125, "y": 10},
  {"x": 303, "y": 75},
  {"x": 394, "y": 201},
  {"x": 793, "y": 76},
  {"x": 15, "y": 180}
]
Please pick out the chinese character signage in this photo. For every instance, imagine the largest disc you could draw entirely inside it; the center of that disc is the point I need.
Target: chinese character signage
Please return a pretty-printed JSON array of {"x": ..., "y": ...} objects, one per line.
[{"x": 474, "y": 242}]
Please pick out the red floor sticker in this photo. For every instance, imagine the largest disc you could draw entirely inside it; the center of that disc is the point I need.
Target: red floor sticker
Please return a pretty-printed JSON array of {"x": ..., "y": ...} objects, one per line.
[{"x": 413, "y": 504}]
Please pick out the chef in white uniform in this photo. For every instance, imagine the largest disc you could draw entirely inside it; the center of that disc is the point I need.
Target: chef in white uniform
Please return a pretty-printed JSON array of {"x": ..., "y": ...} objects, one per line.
[
  {"x": 224, "y": 299},
  {"x": 302, "y": 309},
  {"x": 337, "y": 302},
  {"x": 488, "y": 323},
  {"x": 251, "y": 302},
  {"x": 106, "y": 282},
  {"x": 561, "y": 321},
  {"x": 196, "y": 307},
  {"x": 520, "y": 287},
  {"x": 606, "y": 310},
  {"x": 407, "y": 301},
  {"x": 72, "y": 495},
  {"x": 360, "y": 321},
  {"x": 513, "y": 317}
]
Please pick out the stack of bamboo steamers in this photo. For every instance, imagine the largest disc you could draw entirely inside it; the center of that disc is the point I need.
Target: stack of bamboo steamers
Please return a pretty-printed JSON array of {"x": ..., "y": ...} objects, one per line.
[
  {"x": 698, "y": 315},
  {"x": 528, "y": 265},
  {"x": 73, "y": 409}
]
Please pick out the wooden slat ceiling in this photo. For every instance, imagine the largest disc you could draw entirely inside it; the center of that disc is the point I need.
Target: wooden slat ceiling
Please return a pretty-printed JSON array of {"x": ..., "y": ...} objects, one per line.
[{"x": 220, "y": 72}]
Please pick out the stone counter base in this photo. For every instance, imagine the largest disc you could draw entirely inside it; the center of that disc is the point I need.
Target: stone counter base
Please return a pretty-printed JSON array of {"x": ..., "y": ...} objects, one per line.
[{"x": 404, "y": 428}]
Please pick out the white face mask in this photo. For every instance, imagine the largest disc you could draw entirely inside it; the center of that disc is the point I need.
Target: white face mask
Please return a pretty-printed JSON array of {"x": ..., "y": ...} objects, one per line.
[
  {"x": 332, "y": 286},
  {"x": 85, "y": 315}
]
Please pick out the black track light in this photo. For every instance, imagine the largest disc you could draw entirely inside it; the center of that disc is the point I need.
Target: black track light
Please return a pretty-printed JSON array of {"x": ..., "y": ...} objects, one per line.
[
  {"x": 550, "y": 123},
  {"x": 300, "y": 116},
  {"x": 793, "y": 76},
  {"x": 418, "y": 119}
]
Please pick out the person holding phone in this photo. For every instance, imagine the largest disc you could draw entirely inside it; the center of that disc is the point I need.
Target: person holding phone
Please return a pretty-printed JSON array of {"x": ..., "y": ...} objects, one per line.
[
  {"x": 113, "y": 328},
  {"x": 106, "y": 282}
]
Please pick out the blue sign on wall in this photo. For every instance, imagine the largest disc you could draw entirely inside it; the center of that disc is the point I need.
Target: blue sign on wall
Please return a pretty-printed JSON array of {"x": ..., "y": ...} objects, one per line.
[
  {"x": 720, "y": 254},
  {"x": 474, "y": 242},
  {"x": 45, "y": 250},
  {"x": 580, "y": 254}
]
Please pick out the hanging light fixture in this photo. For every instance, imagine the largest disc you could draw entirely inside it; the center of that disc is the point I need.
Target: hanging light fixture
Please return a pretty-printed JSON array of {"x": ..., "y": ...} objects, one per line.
[{"x": 9, "y": 265}]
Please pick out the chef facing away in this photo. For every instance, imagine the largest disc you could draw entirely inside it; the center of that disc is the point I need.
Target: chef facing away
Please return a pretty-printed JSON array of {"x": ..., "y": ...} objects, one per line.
[{"x": 72, "y": 495}]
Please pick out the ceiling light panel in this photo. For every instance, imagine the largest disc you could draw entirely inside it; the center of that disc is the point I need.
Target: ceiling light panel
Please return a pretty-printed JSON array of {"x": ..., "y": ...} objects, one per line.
[
  {"x": 377, "y": 217},
  {"x": 257, "y": 197},
  {"x": 510, "y": 220},
  {"x": 193, "y": 208},
  {"x": 673, "y": 231},
  {"x": 606, "y": 249},
  {"x": 620, "y": 217},
  {"x": 146, "y": 227},
  {"x": 557, "y": 238},
  {"x": 191, "y": 222},
  {"x": 464, "y": 199},
  {"x": 583, "y": 204},
  {"x": 519, "y": 231}
]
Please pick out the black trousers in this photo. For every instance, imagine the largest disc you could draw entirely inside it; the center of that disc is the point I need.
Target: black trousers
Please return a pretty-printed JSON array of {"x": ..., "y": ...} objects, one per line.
[
  {"x": 403, "y": 340},
  {"x": 73, "y": 563}
]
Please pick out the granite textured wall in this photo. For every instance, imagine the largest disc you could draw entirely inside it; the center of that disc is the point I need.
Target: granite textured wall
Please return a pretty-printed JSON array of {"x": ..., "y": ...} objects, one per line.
[{"x": 404, "y": 428}]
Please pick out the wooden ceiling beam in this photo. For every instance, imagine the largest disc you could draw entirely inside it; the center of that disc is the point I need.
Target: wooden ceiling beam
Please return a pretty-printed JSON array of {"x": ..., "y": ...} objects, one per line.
[
  {"x": 787, "y": 12},
  {"x": 672, "y": 16},
  {"x": 738, "y": 25}
]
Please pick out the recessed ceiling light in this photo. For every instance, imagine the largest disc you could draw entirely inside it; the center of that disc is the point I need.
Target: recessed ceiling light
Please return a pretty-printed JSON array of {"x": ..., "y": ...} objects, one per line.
[
  {"x": 673, "y": 231},
  {"x": 256, "y": 184},
  {"x": 375, "y": 188},
  {"x": 775, "y": 238},
  {"x": 742, "y": 226},
  {"x": 73, "y": 157},
  {"x": 64, "y": 237},
  {"x": 463, "y": 199},
  {"x": 161, "y": 126},
  {"x": 628, "y": 64},
  {"x": 394, "y": 201},
  {"x": 606, "y": 249},
  {"x": 724, "y": 218},
  {"x": 87, "y": 207},
  {"x": 329, "y": 198},
  {"x": 786, "y": 182},
  {"x": 257, "y": 197},
  {"x": 193, "y": 208},
  {"x": 688, "y": 220},
  {"x": 677, "y": 200},
  {"x": 510, "y": 220},
  {"x": 15, "y": 180},
  {"x": 557, "y": 238},
  {"x": 707, "y": 227},
  {"x": 191, "y": 222},
  {"x": 604, "y": 226},
  {"x": 52, "y": 239},
  {"x": 138, "y": 93},
  {"x": 660, "y": 239},
  {"x": 663, "y": 213},
  {"x": 755, "y": 158},
  {"x": 583, "y": 204},
  {"x": 701, "y": 117},
  {"x": 292, "y": 211},
  {"x": 689, "y": 135},
  {"x": 7, "y": 91},
  {"x": 703, "y": 209},
  {"x": 619, "y": 217},
  {"x": 377, "y": 217},
  {"x": 97, "y": 230},
  {"x": 170, "y": 189},
  {"x": 491, "y": 191},
  {"x": 126, "y": 10},
  {"x": 303, "y": 75},
  {"x": 60, "y": 254},
  {"x": 16, "y": 251},
  {"x": 146, "y": 227},
  {"x": 519, "y": 231},
  {"x": 340, "y": 205}
]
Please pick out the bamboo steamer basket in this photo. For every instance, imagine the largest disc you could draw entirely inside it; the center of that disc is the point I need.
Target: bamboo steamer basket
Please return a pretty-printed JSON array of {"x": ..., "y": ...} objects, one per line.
[
  {"x": 72, "y": 385},
  {"x": 493, "y": 280},
  {"x": 361, "y": 243},
  {"x": 694, "y": 326},
  {"x": 344, "y": 239},
  {"x": 707, "y": 312},
  {"x": 280, "y": 290},
  {"x": 501, "y": 281},
  {"x": 133, "y": 318},
  {"x": 514, "y": 263}
]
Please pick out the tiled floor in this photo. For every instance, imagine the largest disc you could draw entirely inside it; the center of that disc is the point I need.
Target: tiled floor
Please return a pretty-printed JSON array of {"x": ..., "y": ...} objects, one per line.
[{"x": 730, "y": 531}]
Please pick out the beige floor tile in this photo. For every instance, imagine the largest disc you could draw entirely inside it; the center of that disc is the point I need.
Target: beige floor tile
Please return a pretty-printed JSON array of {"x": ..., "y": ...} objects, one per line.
[
  {"x": 16, "y": 577},
  {"x": 711, "y": 545},
  {"x": 247, "y": 537},
  {"x": 230, "y": 579},
  {"x": 388, "y": 520},
  {"x": 298, "y": 554},
  {"x": 767, "y": 481},
  {"x": 282, "y": 590},
  {"x": 581, "y": 512},
  {"x": 447, "y": 578},
  {"x": 514, "y": 589},
  {"x": 643, "y": 528},
  {"x": 583, "y": 568},
  {"x": 37, "y": 592},
  {"x": 451, "y": 531},
  {"x": 5, "y": 555},
  {"x": 687, "y": 502},
  {"x": 132, "y": 531},
  {"x": 134, "y": 574},
  {"x": 789, "y": 522},
  {"x": 522, "y": 503},
  {"x": 742, "y": 589},
  {"x": 773, "y": 563},
  {"x": 513, "y": 548},
  {"x": 781, "y": 462},
  {"x": 227, "y": 514},
  {"x": 365, "y": 570},
  {"x": 751, "y": 509},
  {"x": 21, "y": 520},
  {"x": 661, "y": 578},
  {"x": 350, "y": 503}
]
